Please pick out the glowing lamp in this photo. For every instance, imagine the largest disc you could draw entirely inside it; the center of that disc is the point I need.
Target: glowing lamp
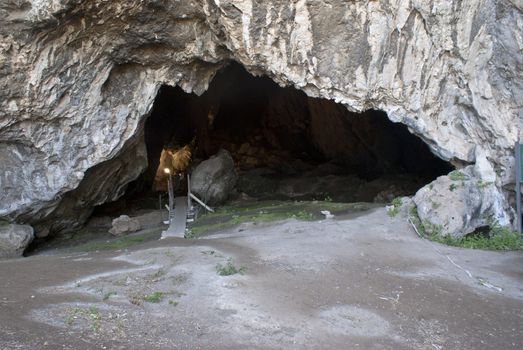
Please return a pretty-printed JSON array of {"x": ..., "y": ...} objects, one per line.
[{"x": 167, "y": 170}]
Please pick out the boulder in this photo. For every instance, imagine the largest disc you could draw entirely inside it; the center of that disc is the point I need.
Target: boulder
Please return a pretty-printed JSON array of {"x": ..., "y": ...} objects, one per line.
[
  {"x": 459, "y": 203},
  {"x": 14, "y": 239},
  {"x": 214, "y": 179},
  {"x": 124, "y": 224}
]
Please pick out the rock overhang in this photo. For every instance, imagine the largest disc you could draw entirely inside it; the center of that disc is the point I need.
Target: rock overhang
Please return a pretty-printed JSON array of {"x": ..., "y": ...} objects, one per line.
[{"x": 81, "y": 78}]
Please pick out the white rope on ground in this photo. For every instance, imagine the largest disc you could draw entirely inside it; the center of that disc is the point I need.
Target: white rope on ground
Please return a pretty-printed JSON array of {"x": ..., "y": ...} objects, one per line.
[
  {"x": 459, "y": 267},
  {"x": 479, "y": 280}
]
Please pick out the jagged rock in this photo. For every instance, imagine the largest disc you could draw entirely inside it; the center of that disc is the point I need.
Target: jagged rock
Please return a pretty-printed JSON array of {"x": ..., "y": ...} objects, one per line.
[
  {"x": 14, "y": 239},
  {"x": 458, "y": 204},
  {"x": 214, "y": 179},
  {"x": 78, "y": 79},
  {"x": 125, "y": 224}
]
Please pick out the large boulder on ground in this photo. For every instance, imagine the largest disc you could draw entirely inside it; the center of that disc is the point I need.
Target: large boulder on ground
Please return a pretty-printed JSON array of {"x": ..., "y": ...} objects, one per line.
[
  {"x": 14, "y": 239},
  {"x": 124, "y": 224},
  {"x": 214, "y": 179},
  {"x": 459, "y": 203}
]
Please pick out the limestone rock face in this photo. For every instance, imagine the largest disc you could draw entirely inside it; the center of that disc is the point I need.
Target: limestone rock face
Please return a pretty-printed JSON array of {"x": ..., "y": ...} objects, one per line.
[
  {"x": 214, "y": 179},
  {"x": 14, "y": 239},
  {"x": 78, "y": 79}
]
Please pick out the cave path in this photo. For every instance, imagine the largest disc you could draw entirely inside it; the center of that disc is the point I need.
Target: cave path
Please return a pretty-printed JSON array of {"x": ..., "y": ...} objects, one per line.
[{"x": 178, "y": 224}]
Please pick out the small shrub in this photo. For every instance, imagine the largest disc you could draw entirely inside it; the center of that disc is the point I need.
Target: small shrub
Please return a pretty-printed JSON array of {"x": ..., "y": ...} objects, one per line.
[
  {"x": 91, "y": 314},
  {"x": 229, "y": 269},
  {"x": 395, "y": 207},
  {"x": 452, "y": 187},
  {"x": 189, "y": 234}
]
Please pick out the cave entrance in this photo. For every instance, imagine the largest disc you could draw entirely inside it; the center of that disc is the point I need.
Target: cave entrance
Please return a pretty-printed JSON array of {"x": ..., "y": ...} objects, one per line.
[{"x": 287, "y": 145}]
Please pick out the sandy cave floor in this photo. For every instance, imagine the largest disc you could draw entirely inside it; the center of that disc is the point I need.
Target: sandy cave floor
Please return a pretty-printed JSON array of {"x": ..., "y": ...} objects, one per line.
[{"x": 360, "y": 282}]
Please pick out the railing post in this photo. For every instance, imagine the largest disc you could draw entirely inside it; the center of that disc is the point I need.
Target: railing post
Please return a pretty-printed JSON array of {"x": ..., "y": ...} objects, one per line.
[{"x": 518, "y": 185}]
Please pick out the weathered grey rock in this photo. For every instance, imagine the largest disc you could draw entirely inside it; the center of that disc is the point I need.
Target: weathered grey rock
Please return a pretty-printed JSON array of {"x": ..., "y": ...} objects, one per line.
[
  {"x": 214, "y": 179},
  {"x": 124, "y": 224},
  {"x": 78, "y": 78},
  {"x": 458, "y": 204},
  {"x": 14, "y": 239}
]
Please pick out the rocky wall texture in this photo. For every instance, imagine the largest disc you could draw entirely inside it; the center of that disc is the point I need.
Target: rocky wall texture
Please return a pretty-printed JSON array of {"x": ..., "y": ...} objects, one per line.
[{"x": 79, "y": 77}]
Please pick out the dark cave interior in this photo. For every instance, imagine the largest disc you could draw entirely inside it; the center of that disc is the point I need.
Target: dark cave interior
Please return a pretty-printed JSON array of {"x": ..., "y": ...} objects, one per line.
[{"x": 287, "y": 145}]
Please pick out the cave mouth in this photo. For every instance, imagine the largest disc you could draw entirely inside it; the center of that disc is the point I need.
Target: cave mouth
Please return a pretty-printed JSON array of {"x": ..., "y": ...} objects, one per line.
[{"x": 285, "y": 145}]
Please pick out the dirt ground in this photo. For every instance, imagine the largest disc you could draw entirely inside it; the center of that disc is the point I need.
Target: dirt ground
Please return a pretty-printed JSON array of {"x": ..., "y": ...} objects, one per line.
[{"x": 363, "y": 281}]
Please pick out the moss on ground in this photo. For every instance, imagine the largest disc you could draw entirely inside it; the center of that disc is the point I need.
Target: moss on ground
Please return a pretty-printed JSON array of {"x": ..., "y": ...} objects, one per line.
[
  {"x": 269, "y": 211},
  {"x": 497, "y": 237}
]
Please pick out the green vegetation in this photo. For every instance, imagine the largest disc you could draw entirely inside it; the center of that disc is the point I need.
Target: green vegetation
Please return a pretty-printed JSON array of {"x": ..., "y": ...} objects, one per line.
[
  {"x": 483, "y": 184},
  {"x": 173, "y": 302},
  {"x": 269, "y": 211},
  {"x": 457, "y": 175},
  {"x": 495, "y": 238},
  {"x": 229, "y": 269},
  {"x": 452, "y": 187},
  {"x": 108, "y": 295},
  {"x": 506, "y": 240},
  {"x": 90, "y": 314},
  {"x": 155, "y": 297},
  {"x": 395, "y": 207}
]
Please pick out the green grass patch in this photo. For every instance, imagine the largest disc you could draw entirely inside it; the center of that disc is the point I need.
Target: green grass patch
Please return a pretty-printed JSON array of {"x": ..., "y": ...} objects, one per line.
[
  {"x": 484, "y": 184},
  {"x": 495, "y": 237},
  {"x": 90, "y": 315},
  {"x": 229, "y": 269},
  {"x": 155, "y": 297},
  {"x": 395, "y": 207},
  {"x": 457, "y": 175},
  {"x": 269, "y": 211}
]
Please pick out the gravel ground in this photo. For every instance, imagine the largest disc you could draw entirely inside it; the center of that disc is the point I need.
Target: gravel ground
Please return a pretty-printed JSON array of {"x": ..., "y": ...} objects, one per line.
[{"x": 356, "y": 282}]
